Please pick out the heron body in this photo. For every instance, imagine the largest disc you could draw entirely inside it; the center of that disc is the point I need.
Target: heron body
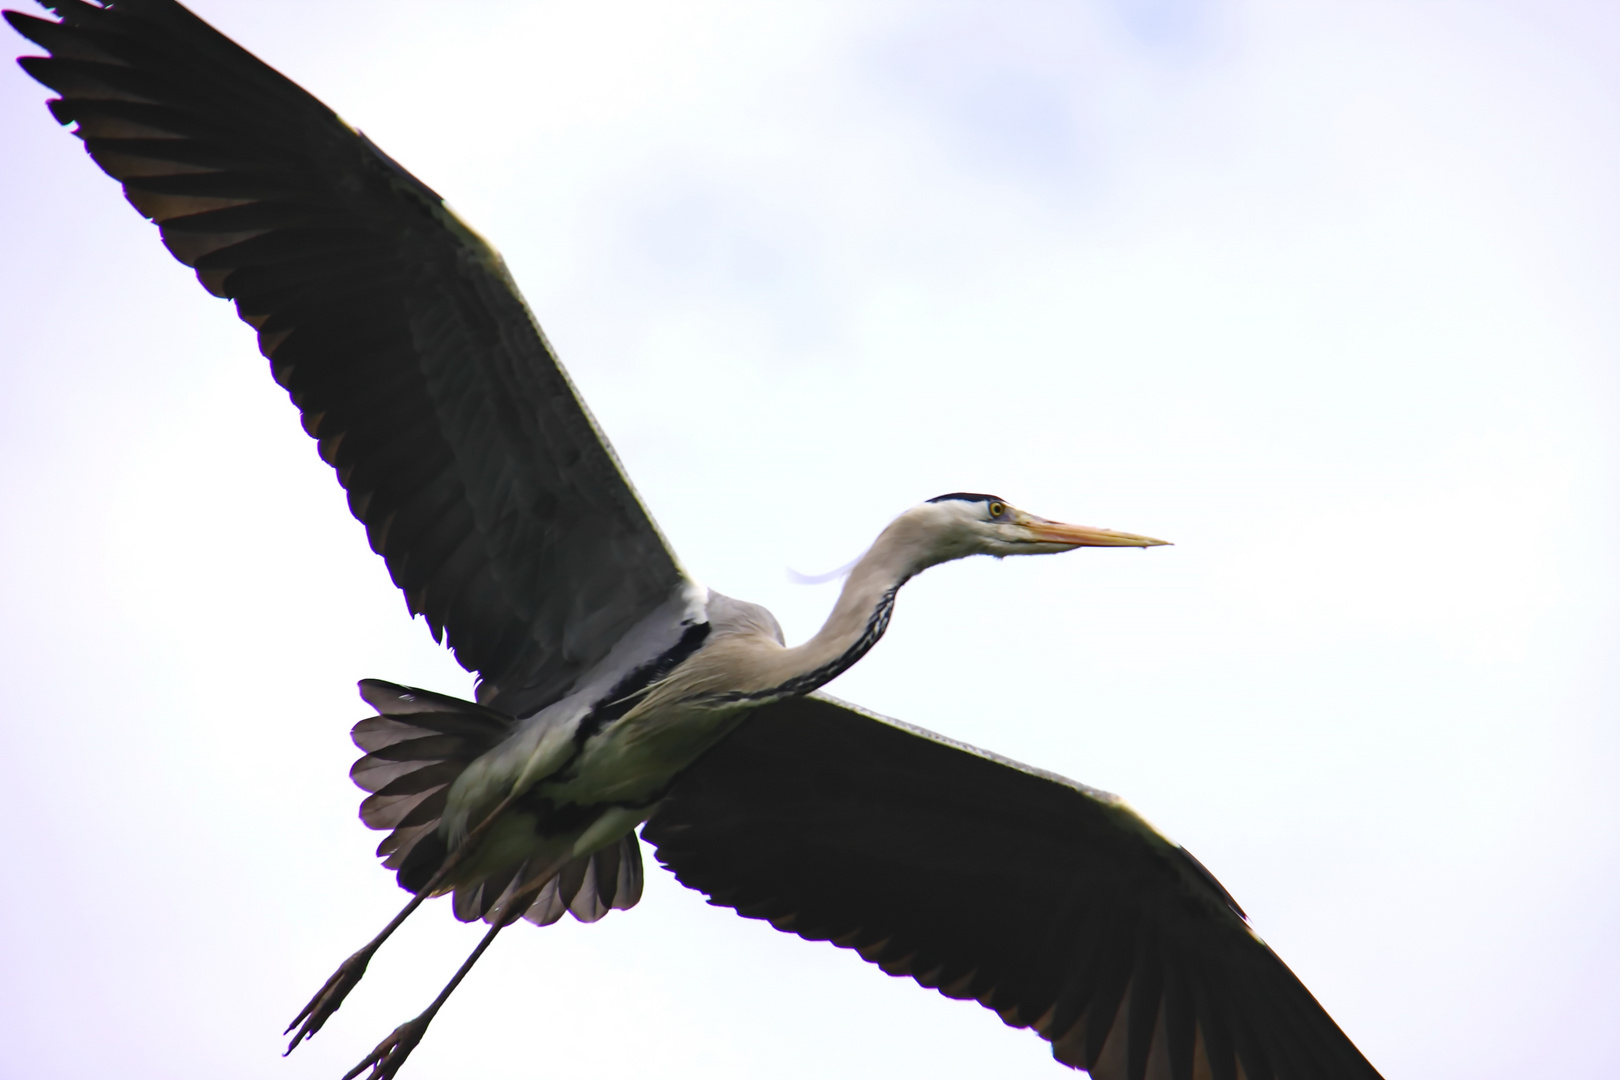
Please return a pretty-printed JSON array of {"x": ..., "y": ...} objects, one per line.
[
  {"x": 582, "y": 771},
  {"x": 614, "y": 690}
]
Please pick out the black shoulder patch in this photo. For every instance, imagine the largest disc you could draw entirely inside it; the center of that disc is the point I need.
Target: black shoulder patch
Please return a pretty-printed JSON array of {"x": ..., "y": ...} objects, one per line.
[{"x": 967, "y": 496}]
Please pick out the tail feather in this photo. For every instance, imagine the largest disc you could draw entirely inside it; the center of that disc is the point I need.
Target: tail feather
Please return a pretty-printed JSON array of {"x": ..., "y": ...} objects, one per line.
[
  {"x": 614, "y": 881},
  {"x": 595, "y": 896},
  {"x": 630, "y": 879},
  {"x": 473, "y": 902},
  {"x": 423, "y": 778},
  {"x": 421, "y": 859},
  {"x": 549, "y": 906},
  {"x": 390, "y": 811},
  {"x": 398, "y": 702},
  {"x": 592, "y": 885},
  {"x": 399, "y": 843},
  {"x": 415, "y": 749}
]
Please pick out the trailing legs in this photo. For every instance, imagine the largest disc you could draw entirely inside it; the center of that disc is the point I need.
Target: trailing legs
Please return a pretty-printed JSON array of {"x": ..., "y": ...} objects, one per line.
[
  {"x": 327, "y": 1000},
  {"x": 387, "y": 1057}
]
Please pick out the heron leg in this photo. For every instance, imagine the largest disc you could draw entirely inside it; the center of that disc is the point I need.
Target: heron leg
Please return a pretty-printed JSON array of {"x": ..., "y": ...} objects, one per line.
[
  {"x": 327, "y": 1000},
  {"x": 385, "y": 1060},
  {"x": 348, "y": 975}
]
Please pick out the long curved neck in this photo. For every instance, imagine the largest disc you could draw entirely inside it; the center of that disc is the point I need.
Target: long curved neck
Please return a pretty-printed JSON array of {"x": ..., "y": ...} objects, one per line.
[
  {"x": 858, "y": 619},
  {"x": 752, "y": 667},
  {"x": 861, "y": 614}
]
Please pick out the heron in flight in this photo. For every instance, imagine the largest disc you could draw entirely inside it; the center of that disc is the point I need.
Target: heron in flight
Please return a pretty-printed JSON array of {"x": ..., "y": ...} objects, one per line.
[{"x": 614, "y": 691}]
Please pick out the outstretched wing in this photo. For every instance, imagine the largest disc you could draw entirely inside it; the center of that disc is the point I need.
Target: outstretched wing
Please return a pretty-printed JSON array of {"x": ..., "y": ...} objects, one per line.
[
  {"x": 479, "y": 474},
  {"x": 1052, "y": 903}
]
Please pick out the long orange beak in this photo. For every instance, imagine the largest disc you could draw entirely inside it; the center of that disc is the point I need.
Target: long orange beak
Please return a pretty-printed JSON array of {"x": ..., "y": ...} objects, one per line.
[{"x": 1056, "y": 532}]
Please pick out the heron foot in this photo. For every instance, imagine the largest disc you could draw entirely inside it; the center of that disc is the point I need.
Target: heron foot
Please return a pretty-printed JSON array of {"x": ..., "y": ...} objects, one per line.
[
  {"x": 326, "y": 1002},
  {"x": 391, "y": 1053}
]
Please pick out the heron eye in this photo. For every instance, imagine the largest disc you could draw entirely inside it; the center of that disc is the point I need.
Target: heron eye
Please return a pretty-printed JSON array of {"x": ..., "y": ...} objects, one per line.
[{"x": 997, "y": 509}]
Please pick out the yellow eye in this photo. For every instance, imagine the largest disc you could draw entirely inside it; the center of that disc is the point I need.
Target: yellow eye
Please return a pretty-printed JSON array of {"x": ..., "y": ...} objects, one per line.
[{"x": 997, "y": 509}]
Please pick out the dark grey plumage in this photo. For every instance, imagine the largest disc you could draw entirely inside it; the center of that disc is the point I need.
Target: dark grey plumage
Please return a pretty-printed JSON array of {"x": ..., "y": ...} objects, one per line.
[{"x": 1049, "y": 902}]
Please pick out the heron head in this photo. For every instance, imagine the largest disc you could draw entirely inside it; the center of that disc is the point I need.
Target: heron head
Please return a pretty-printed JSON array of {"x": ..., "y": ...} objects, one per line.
[{"x": 965, "y": 523}]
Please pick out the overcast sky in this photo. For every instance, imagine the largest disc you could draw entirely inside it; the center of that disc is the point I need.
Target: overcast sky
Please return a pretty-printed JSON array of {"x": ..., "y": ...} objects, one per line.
[{"x": 1324, "y": 292}]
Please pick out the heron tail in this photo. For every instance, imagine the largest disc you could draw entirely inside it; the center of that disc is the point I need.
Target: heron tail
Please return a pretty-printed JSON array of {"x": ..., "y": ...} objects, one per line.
[
  {"x": 415, "y": 748},
  {"x": 592, "y": 885}
]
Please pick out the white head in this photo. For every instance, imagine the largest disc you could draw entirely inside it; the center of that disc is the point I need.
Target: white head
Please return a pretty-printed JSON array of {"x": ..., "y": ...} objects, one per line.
[{"x": 963, "y": 523}]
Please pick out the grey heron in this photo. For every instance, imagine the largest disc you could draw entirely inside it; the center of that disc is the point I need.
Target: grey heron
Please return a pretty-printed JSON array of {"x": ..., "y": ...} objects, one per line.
[{"x": 614, "y": 691}]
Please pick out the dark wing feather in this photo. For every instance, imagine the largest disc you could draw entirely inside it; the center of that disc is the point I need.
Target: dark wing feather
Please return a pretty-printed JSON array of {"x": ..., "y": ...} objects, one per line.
[
  {"x": 1052, "y": 903},
  {"x": 476, "y": 469}
]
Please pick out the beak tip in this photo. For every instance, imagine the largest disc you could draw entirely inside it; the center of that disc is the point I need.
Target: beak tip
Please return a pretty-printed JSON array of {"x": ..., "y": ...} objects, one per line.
[{"x": 1077, "y": 536}]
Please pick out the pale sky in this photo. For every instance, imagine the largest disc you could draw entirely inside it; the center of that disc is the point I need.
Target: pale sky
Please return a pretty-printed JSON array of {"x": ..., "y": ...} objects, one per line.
[{"x": 1324, "y": 292}]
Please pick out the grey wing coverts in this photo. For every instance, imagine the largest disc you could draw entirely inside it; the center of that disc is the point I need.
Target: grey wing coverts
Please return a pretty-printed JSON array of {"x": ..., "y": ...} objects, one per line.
[{"x": 479, "y": 474}]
